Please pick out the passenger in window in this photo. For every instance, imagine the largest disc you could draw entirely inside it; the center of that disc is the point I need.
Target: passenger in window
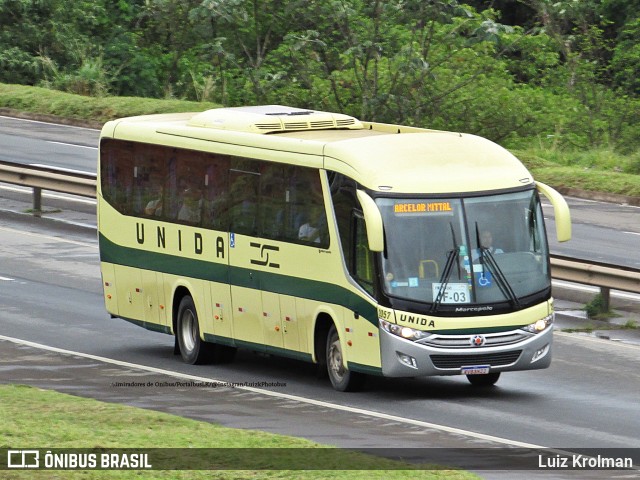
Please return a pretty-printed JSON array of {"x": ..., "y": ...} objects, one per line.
[
  {"x": 154, "y": 207},
  {"x": 312, "y": 231},
  {"x": 191, "y": 209}
]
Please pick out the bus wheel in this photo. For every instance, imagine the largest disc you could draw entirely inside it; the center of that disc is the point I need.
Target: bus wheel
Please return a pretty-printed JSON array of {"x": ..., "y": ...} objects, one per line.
[
  {"x": 192, "y": 348},
  {"x": 341, "y": 378},
  {"x": 484, "y": 380}
]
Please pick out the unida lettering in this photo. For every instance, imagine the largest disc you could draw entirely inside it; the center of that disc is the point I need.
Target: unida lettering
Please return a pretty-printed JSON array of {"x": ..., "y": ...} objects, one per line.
[
  {"x": 416, "y": 320},
  {"x": 178, "y": 240}
]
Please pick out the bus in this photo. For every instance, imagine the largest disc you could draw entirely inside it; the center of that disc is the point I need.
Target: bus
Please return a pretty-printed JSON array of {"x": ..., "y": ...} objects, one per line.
[{"x": 362, "y": 247}]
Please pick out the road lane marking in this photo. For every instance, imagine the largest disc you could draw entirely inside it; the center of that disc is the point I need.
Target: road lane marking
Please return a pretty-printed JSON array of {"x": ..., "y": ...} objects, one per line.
[
  {"x": 62, "y": 169},
  {"x": 71, "y": 145},
  {"x": 49, "y": 237},
  {"x": 295, "y": 398},
  {"x": 591, "y": 289},
  {"x": 68, "y": 197},
  {"x": 7, "y": 279}
]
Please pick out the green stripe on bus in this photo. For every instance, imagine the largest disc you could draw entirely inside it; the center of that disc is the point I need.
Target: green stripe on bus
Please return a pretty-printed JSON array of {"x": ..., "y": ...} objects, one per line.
[
  {"x": 369, "y": 370},
  {"x": 155, "y": 327},
  {"x": 236, "y": 276}
]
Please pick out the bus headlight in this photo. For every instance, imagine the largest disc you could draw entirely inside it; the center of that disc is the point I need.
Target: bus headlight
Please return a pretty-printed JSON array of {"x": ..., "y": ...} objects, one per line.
[
  {"x": 541, "y": 325},
  {"x": 403, "y": 332}
]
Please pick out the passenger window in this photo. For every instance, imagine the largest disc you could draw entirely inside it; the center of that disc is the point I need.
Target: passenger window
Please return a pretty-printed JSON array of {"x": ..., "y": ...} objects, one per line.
[
  {"x": 273, "y": 214},
  {"x": 216, "y": 192},
  {"x": 308, "y": 215},
  {"x": 244, "y": 181},
  {"x": 363, "y": 264}
]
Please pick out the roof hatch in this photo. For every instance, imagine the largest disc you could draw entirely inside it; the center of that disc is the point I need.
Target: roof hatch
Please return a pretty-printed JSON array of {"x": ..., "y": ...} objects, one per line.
[{"x": 272, "y": 118}]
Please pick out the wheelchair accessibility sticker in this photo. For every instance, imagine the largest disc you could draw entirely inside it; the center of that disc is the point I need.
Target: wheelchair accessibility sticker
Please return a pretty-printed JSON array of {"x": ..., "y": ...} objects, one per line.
[{"x": 483, "y": 279}]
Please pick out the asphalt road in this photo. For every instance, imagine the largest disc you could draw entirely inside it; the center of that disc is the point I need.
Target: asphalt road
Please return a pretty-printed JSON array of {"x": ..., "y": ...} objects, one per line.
[{"x": 50, "y": 293}]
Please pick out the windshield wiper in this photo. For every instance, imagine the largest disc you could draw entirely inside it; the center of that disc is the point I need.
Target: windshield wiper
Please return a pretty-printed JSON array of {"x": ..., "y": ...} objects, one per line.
[
  {"x": 487, "y": 259},
  {"x": 452, "y": 257}
]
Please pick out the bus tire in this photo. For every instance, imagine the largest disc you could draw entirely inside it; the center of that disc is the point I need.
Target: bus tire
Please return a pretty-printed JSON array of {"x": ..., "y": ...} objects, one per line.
[
  {"x": 192, "y": 349},
  {"x": 341, "y": 378},
  {"x": 487, "y": 380}
]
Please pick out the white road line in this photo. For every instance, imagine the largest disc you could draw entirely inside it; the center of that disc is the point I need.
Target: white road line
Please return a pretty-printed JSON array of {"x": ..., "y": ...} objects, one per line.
[
  {"x": 6, "y": 279},
  {"x": 590, "y": 289},
  {"x": 72, "y": 145},
  {"x": 49, "y": 237},
  {"x": 69, "y": 198},
  {"x": 70, "y": 170},
  {"x": 295, "y": 398}
]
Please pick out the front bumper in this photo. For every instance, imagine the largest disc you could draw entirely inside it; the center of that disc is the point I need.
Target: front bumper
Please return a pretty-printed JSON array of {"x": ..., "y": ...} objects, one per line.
[{"x": 406, "y": 358}]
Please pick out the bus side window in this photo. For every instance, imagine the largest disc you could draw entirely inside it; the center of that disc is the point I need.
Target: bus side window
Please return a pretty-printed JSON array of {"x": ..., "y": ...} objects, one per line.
[
  {"x": 344, "y": 201},
  {"x": 244, "y": 178},
  {"x": 309, "y": 216},
  {"x": 191, "y": 186},
  {"x": 216, "y": 195},
  {"x": 363, "y": 270},
  {"x": 273, "y": 200},
  {"x": 117, "y": 175}
]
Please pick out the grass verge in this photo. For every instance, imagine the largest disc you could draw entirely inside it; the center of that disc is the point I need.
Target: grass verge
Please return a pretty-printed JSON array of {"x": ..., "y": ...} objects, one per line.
[
  {"x": 43, "y": 419},
  {"x": 94, "y": 110}
]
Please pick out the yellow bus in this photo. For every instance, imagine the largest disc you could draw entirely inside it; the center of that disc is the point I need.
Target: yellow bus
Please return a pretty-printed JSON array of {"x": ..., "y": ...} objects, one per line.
[{"x": 366, "y": 248}]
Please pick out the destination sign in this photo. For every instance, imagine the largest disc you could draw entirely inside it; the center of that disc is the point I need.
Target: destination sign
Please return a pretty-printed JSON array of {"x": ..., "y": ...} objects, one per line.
[{"x": 422, "y": 207}]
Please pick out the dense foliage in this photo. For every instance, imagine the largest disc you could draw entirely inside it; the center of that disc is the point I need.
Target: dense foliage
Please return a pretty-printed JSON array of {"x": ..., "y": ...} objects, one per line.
[{"x": 562, "y": 73}]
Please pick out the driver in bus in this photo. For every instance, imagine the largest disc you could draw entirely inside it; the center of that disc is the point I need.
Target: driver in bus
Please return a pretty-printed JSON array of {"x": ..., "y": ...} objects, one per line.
[{"x": 486, "y": 242}]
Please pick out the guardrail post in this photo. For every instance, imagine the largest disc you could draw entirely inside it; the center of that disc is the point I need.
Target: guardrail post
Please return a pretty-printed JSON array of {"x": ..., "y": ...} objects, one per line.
[
  {"x": 605, "y": 293},
  {"x": 37, "y": 200}
]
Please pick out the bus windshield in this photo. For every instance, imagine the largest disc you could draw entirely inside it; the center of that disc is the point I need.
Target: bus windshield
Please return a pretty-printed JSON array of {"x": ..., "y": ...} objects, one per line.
[{"x": 459, "y": 252}]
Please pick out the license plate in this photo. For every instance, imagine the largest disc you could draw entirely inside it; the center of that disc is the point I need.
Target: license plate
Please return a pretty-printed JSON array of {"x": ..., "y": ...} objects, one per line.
[
  {"x": 453, "y": 292},
  {"x": 477, "y": 370}
]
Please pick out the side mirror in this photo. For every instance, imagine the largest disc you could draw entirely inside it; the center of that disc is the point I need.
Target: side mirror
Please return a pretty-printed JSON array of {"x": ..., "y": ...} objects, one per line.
[
  {"x": 560, "y": 209},
  {"x": 373, "y": 221}
]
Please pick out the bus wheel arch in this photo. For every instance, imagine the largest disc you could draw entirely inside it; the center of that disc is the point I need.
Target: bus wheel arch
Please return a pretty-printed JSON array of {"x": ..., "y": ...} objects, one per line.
[
  {"x": 189, "y": 342},
  {"x": 323, "y": 324},
  {"x": 329, "y": 354}
]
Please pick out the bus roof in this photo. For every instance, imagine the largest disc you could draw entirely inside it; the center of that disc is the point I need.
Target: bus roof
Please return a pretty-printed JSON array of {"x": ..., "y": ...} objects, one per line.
[{"x": 382, "y": 157}]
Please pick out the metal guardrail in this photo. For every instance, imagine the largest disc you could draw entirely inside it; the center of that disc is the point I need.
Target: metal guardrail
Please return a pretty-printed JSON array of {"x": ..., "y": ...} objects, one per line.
[
  {"x": 44, "y": 178},
  {"x": 607, "y": 277}
]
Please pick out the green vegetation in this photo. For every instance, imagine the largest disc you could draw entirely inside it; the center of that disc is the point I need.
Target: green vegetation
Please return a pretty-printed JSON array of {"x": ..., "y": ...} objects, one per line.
[
  {"x": 93, "y": 110},
  {"x": 34, "y": 418},
  {"x": 509, "y": 70},
  {"x": 554, "y": 80},
  {"x": 598, "y": 308}
]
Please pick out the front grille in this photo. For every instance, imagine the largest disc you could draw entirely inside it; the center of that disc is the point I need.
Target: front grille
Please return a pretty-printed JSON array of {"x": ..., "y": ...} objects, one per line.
[
  {"x": 458, "y": 361},
  {"x": 464, "y": 341},
  {"x": 345, "y": 122}
]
